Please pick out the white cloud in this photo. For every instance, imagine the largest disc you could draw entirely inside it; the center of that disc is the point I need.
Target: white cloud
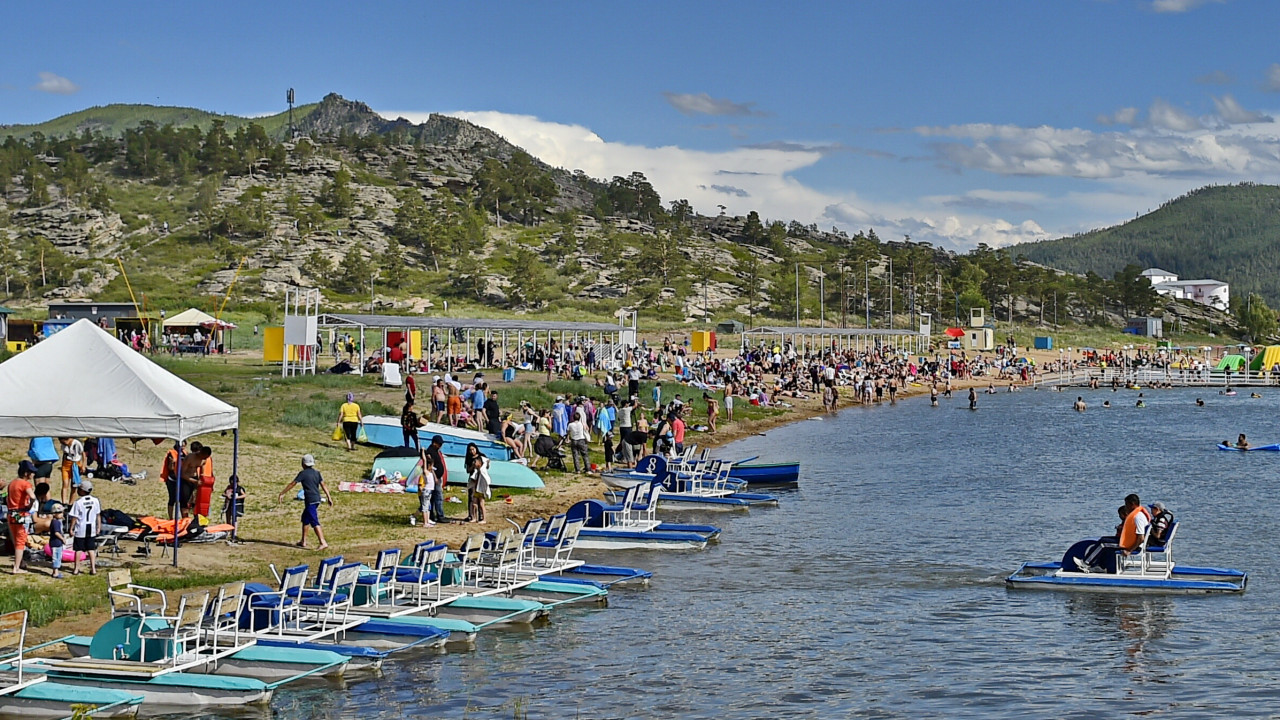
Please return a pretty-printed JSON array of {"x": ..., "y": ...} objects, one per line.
[
  {"x": 704, "y": 104},
  {"x": 1217, "y": 77},
  {"x": 1273, "y": 78},
  {"x": 56, "y": 84},
  {"x": 752, "y": 178},
  {"x": 1179, "y": 6},
  {"x": 1167, "y": 117},
  {"x": 1123, "y": 116},
  {"x": 1233, "y": 114},
  {"x": 1249, "y": 148}
]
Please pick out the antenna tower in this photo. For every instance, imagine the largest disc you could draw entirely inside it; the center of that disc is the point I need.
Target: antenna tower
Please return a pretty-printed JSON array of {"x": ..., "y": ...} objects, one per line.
[{"x": 293, "y": 131}]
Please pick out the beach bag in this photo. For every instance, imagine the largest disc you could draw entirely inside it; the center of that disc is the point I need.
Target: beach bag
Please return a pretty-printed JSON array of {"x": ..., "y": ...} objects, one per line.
[
  {"x": 361, "y": 435},
  {"x": 337, "y": 432}
]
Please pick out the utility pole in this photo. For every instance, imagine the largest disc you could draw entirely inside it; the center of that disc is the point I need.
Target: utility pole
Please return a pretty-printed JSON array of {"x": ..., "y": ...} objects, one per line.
[
  {"x": 866, "y": 289},
  {"x": 844, "y": 300},
  {"x": 890, "y": 293},
  {"x": 797, "y": 294},
  {"x": 822, "y": 297}
]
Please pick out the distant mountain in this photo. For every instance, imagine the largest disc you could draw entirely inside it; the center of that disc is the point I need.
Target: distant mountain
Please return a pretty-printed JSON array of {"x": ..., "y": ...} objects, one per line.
[
  {"x": 1229, "y": 233},
  {"x": 113, "y": 120}
]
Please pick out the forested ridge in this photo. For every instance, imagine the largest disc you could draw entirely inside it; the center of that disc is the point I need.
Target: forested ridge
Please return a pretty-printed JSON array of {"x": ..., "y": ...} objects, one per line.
[
  {"x": 1229, "y": 233},
  {"x": 403, "y": 217}
]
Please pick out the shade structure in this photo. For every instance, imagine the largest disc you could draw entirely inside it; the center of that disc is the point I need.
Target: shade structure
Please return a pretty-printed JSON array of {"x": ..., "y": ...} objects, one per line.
[
  {"x": 954, "y": 332},
  {"x": 196, "y": 318},
  {"x": 84, "y": 382}
]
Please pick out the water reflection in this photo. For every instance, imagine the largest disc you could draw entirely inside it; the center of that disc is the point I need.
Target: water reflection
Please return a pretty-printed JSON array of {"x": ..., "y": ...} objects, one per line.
[{"x": 1142, "y": 622}]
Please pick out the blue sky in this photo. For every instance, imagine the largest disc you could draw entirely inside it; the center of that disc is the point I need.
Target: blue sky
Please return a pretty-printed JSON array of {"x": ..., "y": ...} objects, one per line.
[{"x": 956, "y": 122}]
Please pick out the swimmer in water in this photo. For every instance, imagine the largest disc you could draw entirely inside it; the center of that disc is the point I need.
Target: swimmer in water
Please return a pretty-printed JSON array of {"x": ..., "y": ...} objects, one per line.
[
  {"x": 1106, "y": 403},
  {"x": 1242, "y": 443},
  {"x": 1199, "y": 402},
  {"x": 1079, "y": 405},
  {"x": 973, "y": 399},
  {"x": 1254, "y": 395},
  {"x": 1141, "y": 404}
]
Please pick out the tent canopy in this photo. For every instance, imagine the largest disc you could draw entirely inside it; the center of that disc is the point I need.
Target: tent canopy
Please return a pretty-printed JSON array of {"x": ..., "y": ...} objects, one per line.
[
  {"x": 84, "y": 382},
  {"x": 1232, "y": 362},
  {"x": 196, "y": 318}
]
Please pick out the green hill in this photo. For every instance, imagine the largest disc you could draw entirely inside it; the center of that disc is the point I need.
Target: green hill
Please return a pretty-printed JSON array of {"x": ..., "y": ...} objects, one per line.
[
  {"x": 1229, "y": 233},
  {"x": 113, "y": 120}
]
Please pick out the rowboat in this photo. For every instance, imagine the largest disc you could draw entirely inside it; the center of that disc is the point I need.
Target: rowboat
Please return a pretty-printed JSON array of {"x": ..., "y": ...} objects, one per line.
[
  {"x": 762, "y": 474},
  {"x": 386, "y": 431},
  {"x": 501, "y": 473},
  {"x": 1149, "y": 570}
]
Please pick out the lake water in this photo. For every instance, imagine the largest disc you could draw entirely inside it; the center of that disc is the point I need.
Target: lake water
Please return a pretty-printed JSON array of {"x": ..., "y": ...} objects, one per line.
[{"x": 876, "y": 589}]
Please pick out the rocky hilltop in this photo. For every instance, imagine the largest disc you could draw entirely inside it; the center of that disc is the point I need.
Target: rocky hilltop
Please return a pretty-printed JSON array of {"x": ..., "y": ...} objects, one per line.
[{"x": 403, "y": 216}]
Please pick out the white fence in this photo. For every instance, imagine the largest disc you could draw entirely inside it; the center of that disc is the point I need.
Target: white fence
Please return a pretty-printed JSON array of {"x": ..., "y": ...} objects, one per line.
[{"x": 1175, "y": 376}]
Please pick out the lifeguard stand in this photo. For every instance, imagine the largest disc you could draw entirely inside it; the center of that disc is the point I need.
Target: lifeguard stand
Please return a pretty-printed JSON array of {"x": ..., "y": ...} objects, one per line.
[
  {"x": 301, "y": 328},
  {"x": 977, "y": 317}
]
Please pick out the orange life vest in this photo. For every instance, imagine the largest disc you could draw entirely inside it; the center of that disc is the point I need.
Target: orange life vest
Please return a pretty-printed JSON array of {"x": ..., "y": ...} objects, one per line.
[
  {"x": 170, "y": 469},
  {"x": 1129, "y": 532}
]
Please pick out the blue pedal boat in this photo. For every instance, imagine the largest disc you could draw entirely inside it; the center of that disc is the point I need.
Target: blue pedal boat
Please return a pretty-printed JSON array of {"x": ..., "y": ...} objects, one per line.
[
  {"x": 1150, "y": 569},
  {"x": 614, "y": 527}
]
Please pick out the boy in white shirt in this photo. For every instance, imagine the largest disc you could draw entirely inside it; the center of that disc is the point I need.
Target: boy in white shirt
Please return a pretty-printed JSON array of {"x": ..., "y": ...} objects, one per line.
[{"x": 84, "y": 527}]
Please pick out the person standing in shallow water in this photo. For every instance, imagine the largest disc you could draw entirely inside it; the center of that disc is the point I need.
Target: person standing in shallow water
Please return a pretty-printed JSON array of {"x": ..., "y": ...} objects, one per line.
[{"x": 973, "y": 399}]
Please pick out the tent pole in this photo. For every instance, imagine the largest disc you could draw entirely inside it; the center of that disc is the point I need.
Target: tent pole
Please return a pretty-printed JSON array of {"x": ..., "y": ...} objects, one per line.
[
  {"x": 177, "y": 501},
  {"x": 235, "y": 481}
]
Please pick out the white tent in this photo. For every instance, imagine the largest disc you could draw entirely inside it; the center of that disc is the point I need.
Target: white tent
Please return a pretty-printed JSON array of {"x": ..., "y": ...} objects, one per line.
[
  {"x": 83, "y": 382},
  {"x": 196, "y": 318}
]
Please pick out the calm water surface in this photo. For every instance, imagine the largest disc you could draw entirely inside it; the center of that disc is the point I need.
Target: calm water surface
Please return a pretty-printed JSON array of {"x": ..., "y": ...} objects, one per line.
[{"x": 876, "y": 589}]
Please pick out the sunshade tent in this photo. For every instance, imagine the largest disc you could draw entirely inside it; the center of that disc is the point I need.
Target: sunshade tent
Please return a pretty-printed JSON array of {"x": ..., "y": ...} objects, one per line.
[
  {"x": 84, "y": 382},
  {"x": 1234, "y": 363},
  {"x": 197, "y": 318}
]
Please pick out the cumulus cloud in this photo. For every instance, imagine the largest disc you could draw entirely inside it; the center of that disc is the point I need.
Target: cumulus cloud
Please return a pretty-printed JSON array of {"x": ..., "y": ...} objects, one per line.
[
  {"x": 1123, "y": 116},
  {"x": 763, "y": 180},
  {"x": 1217, "y": 77},
  {"x": 1273, "y": 78},
  {"x": 704, "y": 104},
  {"x": 1233, "y": 114},
  {"x": 1231, "y": 151},
  {"x": 1165, "y": 116},
  {"x": 56, "y": 84},
  {"x": 1179, "y": 6}
]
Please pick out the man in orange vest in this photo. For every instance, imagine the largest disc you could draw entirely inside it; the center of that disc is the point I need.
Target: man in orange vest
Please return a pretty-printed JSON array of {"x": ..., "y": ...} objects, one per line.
[{"x": 1131, "y": 534}]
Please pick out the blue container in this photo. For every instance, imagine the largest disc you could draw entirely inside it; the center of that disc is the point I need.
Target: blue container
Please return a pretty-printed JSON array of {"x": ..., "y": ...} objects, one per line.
[
  {"x": 1044, "y": 342},
  {"x": 509, "y": 375}
]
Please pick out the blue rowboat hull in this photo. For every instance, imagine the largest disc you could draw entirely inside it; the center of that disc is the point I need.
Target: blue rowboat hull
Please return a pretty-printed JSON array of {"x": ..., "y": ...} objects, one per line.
[
  {"x": 1184, "y": 580},
  {"x": 385, "y": 431},
  {"x": 605, "y": 576},
  {"x": 759, "y": 474},
  {"x": 501, "y": 474},
  {"x": 686, "y": 501}
]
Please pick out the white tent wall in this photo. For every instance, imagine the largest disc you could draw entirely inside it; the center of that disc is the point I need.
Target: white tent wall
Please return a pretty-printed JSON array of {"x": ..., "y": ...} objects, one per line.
[{"x": 83, "y": 382}]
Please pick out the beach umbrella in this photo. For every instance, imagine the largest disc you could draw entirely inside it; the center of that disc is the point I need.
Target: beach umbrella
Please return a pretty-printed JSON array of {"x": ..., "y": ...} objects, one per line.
[{"x": 954, "y": 332}]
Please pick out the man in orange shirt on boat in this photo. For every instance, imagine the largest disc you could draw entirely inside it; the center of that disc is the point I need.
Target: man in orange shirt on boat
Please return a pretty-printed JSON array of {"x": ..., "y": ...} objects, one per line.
[{"x": 1132, "y": 531}]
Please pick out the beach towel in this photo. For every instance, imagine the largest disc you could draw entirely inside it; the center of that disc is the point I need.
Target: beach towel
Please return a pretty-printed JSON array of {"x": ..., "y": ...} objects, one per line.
[{"x": 388, "y": 488}]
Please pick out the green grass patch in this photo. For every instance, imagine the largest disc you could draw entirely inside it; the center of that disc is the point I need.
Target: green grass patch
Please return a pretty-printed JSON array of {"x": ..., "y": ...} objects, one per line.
[{"x": 77, "y": 595}]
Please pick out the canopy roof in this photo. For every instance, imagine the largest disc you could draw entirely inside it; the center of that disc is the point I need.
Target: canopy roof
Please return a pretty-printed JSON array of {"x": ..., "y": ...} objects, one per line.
[
  {"x": 84, "y": 382},
  {"x": 196, "y": 318}
]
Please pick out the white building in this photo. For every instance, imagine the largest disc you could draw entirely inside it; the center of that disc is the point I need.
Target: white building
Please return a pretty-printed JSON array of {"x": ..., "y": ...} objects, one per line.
[
  {"x": 1212, "y": 293},
  {"x": 1158, "y": 276}
]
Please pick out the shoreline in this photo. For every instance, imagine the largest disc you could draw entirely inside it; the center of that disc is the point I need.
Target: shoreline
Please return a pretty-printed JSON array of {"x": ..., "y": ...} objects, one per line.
[{"x": 245, "y": 559}]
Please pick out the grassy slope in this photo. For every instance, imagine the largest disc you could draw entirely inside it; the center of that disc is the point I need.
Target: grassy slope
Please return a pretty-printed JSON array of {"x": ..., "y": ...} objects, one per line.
[{"x": 115, "y": 119}]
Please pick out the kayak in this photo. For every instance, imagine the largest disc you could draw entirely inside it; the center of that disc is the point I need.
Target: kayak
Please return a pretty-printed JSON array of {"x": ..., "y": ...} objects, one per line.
[{"x": 1275, "y": 447}]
